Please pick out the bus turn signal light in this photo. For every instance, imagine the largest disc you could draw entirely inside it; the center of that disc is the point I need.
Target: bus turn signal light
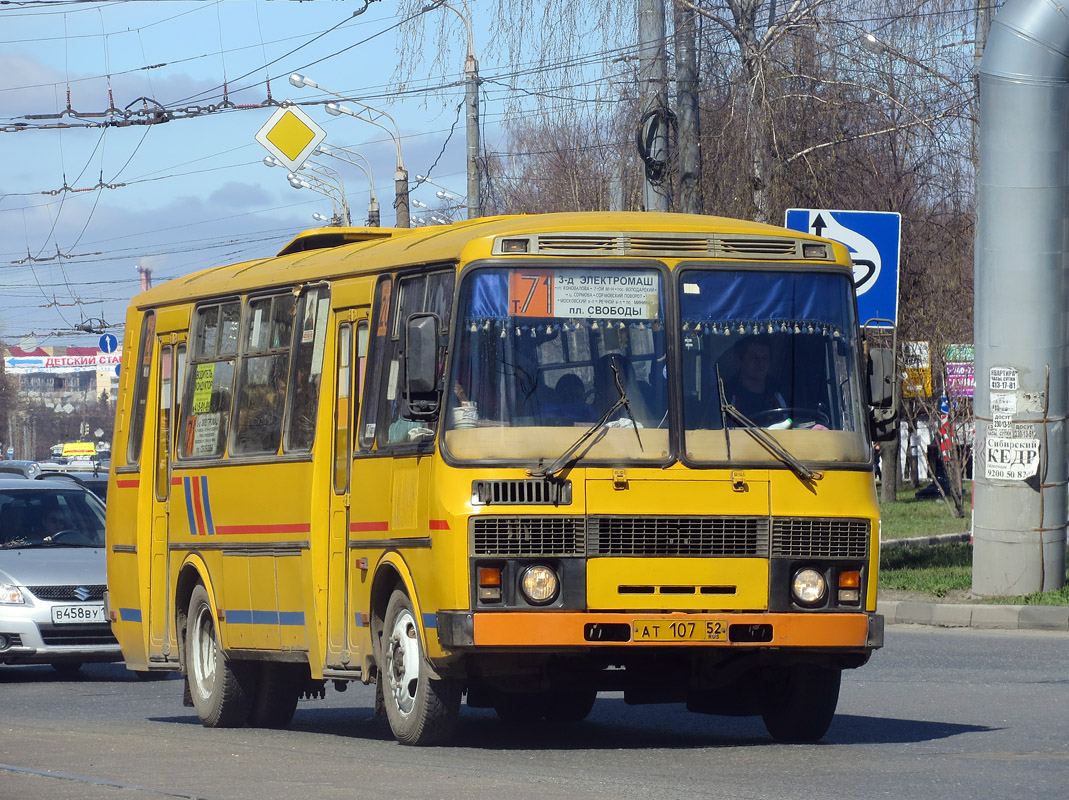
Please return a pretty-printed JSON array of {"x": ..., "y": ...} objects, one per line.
[
  {"x": 850, "y": 587},
  {"x": 490, "y": 584}
]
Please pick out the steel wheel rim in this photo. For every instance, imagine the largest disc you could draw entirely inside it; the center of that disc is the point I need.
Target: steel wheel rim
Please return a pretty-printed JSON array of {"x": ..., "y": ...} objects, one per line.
[
  {"x": 402, "y": 662},
  {"x": 205, "y": 653}
]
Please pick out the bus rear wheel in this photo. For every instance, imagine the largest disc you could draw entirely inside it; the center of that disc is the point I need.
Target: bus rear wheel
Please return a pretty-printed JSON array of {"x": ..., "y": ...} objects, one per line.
[
  {"x": 421, "y": 710},
  {"x": 278, "y": 689},
  {"x": 801, "y": 703},
  {"x": 221, "y": 689}
]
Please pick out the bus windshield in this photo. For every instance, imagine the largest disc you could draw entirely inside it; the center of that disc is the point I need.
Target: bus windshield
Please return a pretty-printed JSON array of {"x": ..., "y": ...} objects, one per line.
[
  {"x": 780, "y": 349},
  {"x": 543, "y": 353}
]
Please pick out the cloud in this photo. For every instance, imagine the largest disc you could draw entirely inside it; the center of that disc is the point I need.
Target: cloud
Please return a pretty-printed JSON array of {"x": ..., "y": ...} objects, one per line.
[{"x": 235, "y": 195}]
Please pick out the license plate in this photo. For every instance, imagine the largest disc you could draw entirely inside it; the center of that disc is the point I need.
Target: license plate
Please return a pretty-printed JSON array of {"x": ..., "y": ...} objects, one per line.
[
  {"x": 679, "y": 630},
  {"x": 75, "y": 615}
]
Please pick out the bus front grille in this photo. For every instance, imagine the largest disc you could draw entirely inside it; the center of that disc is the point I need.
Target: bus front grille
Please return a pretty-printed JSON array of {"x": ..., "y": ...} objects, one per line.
[
  {"x": 726, "y": 537},
  {"x": 523, "y": 492},
  {"x": 808, "y": 537},
  {"x": 680, "y": 244},
  {"x": 527, "y": 536}
]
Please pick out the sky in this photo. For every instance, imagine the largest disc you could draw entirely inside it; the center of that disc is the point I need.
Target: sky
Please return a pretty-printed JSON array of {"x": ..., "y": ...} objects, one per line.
[{"x": 83, "y": 205}]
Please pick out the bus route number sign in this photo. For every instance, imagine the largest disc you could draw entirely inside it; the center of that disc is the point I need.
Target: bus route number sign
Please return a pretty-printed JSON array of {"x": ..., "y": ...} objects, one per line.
[
  {"x": 583, "y": 294},
  {"x": 679, "y": 630}
]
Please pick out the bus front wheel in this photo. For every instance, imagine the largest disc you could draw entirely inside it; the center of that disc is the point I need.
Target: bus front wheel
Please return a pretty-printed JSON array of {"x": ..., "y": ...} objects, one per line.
[
  {"x": 222, "y": 690},
  {"x": 801, "y": 703},
  {"x": 421, "y": 710}
]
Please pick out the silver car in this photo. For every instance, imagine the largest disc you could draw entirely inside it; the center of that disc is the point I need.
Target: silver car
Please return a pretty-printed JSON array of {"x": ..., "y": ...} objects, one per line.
[{"x": 52, "y": 575}]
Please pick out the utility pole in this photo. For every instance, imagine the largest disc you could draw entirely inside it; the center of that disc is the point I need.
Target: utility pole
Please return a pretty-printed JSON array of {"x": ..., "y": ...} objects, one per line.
[
  {"x": 690, "y": 154},
  {"x": 982, "y": 14},
  {"x": 654, "y": 128},
  {"x": 471, "y": 101}
]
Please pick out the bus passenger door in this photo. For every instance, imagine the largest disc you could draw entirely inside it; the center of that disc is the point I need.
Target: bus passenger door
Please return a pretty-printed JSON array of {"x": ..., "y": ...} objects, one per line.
[
  {"x": 172, "y": 358},
  {"x": 351, "y": 351}
]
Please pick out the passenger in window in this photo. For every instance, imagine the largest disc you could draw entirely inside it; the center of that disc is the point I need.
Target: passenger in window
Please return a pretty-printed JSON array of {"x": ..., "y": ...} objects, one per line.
[
  {"x": 617, "y": 367},
  {"x": 568, "y": 405}
]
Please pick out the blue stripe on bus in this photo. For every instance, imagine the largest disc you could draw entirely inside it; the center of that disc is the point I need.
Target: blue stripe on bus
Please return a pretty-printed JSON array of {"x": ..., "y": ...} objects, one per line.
[
  {"x": 430, "y": 621},
  {"x": 257, "y": 617},
  {"x": 130, "y": 614},
  {"x": 207, "y": 505},
  {"x": 189, "y": 507}
]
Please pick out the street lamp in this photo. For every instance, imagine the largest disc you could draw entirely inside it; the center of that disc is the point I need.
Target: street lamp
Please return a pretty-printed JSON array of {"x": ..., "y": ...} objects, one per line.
[
  {"x": 328, "y": 182},
  {"x": 471, "y": 101},
  {"x": 320, "y": 186},
  {"x": 365, "y": 167},
  {"x": 373, "y": 115}
]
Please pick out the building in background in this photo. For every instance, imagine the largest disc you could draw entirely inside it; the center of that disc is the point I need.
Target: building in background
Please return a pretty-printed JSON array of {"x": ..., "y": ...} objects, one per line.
[{"x": 63, "y": 394}]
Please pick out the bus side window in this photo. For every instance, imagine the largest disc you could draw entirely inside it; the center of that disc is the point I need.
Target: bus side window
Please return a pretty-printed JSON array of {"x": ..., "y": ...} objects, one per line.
[
  {"x": 143, "y": 365},
  {"x": 263, "y": 375},
  {"x": 209, "y": 381},
  {"x": 420, "y": 293},
  {"x": 307, "y": 369},
  {"x": 380, "y": 328}
]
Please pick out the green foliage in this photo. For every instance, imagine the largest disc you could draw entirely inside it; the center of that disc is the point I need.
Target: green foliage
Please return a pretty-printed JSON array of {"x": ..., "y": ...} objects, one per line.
[
  {"x": 935, "y": 570},
  {"x": 941, "y": 569},
  {"x": 908, "y": 516}
]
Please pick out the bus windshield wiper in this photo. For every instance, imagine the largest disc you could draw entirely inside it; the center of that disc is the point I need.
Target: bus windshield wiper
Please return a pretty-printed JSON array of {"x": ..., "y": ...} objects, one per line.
[
  {"x": 759, "y": 434},
  {"x": 564, "y": 458}
]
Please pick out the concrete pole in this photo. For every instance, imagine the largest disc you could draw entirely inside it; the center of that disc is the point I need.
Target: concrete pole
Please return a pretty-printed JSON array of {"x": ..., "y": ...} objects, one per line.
[
  {"x": 652, "y": 89},
  {"x": 471, "y": 101},
  {"x": 690, "y": 154},
  {"x": 1022, "y": 318},
  {"x": 400, "y": 183}
]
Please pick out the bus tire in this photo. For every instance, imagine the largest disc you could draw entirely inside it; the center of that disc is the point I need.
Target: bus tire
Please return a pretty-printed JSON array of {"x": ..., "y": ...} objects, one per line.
[
  {"x": 221, "y": 689},
  {"x": 570, "y": 705},
  {"x": 564, "y": 705},
  {"x": 421, "y": 710},
  {"x": 278, "y": 688},
  {"x": 801, "y": 704}
]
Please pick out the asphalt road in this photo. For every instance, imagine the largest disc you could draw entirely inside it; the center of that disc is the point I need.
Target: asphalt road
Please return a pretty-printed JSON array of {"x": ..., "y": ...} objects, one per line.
[{"x": 937, "y": 713}]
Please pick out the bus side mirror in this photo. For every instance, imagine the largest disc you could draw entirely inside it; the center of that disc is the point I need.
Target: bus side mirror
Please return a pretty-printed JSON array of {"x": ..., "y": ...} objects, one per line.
[
  {"x": 421, "y": 366},
  {"x": 884, "y": 413},
  {"x": 882, "y": 377}
]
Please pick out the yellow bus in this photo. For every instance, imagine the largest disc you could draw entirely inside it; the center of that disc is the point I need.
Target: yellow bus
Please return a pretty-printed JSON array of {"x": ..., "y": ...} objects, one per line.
[{"x": 513, "y": 462}]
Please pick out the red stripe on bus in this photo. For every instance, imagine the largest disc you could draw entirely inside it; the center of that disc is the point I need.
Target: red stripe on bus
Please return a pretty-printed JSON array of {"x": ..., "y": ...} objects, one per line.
[
  {"x": 176, "y": 481},
  {"x": 439, "y": 525},
  {"x": 291, "y": 527},
  {"x": 198, "y": 507},
  {"x": 130, "y": 484},
  {"x": 363, "y": 527}
]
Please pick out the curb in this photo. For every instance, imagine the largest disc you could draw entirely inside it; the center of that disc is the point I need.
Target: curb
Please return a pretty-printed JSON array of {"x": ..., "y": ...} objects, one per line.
[{"x": 964, "y": 615}]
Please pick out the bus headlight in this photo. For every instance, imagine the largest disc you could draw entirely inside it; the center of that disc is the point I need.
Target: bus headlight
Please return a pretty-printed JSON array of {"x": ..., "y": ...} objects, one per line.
[
  {"x": 808, "y": 586},
  {"x": 539, "y": 584}
]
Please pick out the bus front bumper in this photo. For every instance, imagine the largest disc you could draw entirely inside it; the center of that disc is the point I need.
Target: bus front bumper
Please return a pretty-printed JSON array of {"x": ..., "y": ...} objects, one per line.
[{"x": 465, "y": 630}]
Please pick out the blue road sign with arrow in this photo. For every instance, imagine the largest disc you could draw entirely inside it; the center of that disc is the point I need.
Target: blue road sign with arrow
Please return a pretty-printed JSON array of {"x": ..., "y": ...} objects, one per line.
[
  {"x": 874, "y": 239},
  {"x": 108, "y": 343}
]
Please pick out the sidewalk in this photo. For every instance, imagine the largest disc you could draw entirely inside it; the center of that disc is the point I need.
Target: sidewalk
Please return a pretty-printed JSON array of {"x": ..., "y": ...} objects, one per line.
[{"x": 967, "y": 615}]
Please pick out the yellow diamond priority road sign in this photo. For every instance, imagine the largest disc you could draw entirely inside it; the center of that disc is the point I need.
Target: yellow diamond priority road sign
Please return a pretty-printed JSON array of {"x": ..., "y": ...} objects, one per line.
[{"x": 290, "y": 136}]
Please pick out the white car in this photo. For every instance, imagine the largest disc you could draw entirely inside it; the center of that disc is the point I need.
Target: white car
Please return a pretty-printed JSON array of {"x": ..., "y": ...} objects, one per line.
[{"x": 52, "y": 575}]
